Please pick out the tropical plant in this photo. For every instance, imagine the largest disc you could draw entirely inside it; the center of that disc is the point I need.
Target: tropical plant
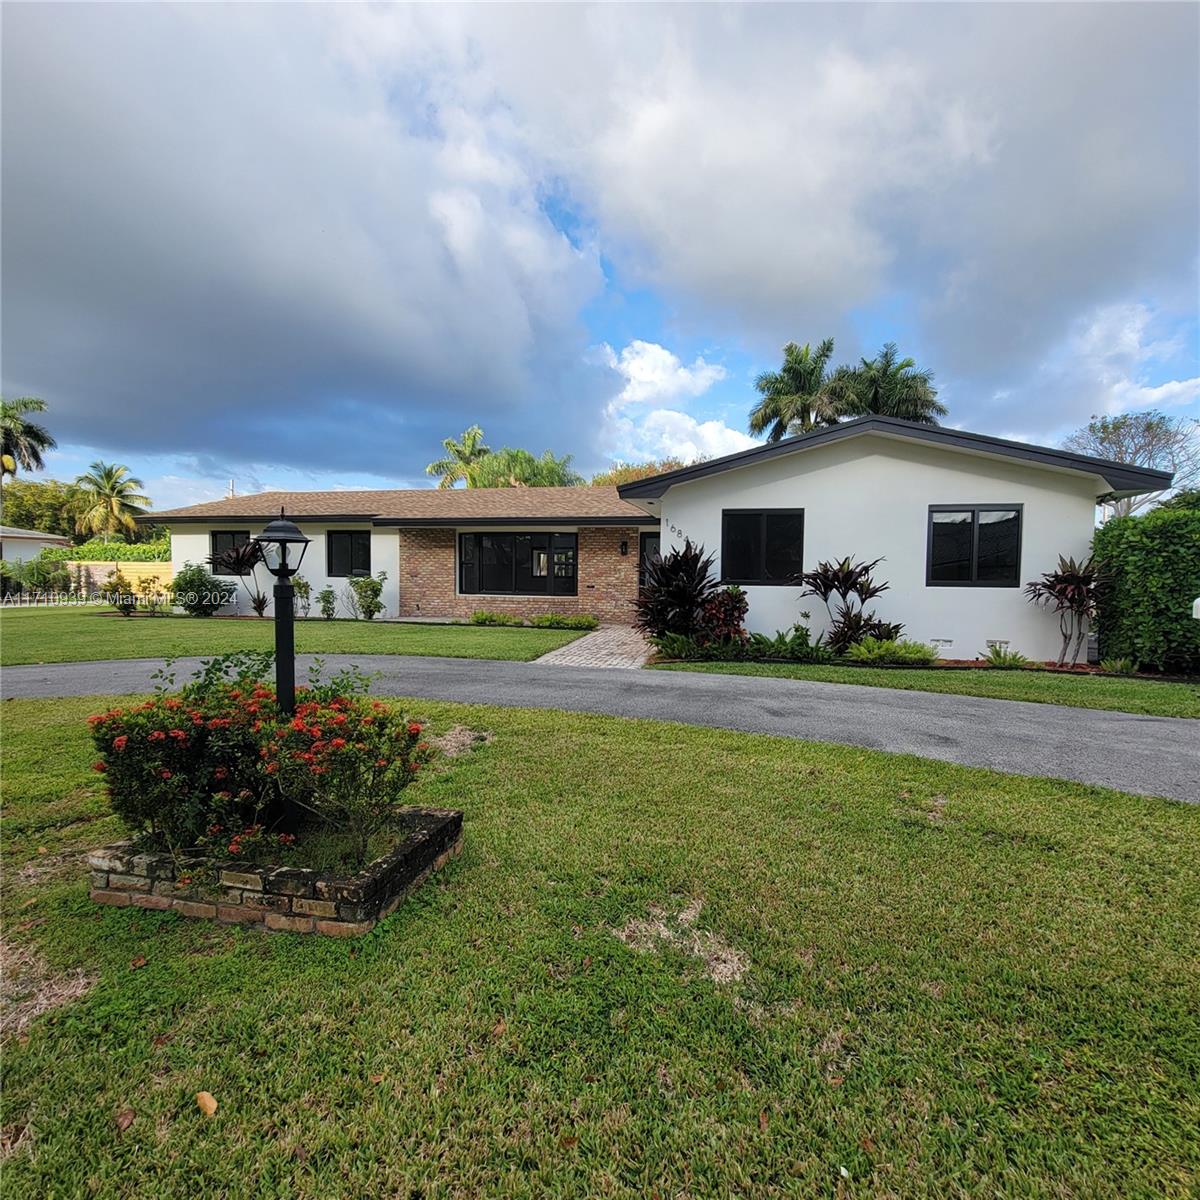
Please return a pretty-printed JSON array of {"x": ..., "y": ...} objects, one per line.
[
  {"x": 119, "y": 593},
  {"x": 1069, "y": 591},
  {"x": 674, "y": 590},
  {"x": 792, "y": 645},
  {"x": 363, "y": 594},
  {"x": 461, "y": 459},
  {"x": 853, "y": 585},
  {"x": 303, "y": 590},
  {"x": 891, "y": 652},
  {"x": 327, "y": 603},
  {"x": 801, "y": 395},
  {"x": 621, "y": 472},
  {"x": 1001, "y": 658},
  {"x": 35, "y": 576},
  {"x": 723, "y": 616},
  {"x": 22, "y": 442},
  {"x": 198, "y": 593},
  {"x": 889, "y": 386},
  {"x": 1118, "y": 666},
  {"x": 507, "y": 467},
  {"x": 241, "y": 560},
  {"x": 109, "y": 500}
]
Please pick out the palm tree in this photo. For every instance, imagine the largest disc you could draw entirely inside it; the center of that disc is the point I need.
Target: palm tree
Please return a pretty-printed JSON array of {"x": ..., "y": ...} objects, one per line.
[
  {"x": 889, "y": 386},
  {"x": 109, "y": 500},
  {"x": 22, "y": 442},
  {"x": 461, "y": 458},
  {"x": 800, "y": 395}
]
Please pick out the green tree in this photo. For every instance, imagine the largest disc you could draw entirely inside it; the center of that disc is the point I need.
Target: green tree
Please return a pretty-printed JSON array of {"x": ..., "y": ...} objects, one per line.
[
  {"x": 45, "y": 504},
  {"x": 801, "y": 395},
  {"x": 22, "y": 442},
  {"x": 461, "y": 459},
  {"x": 518, "y": 468},
  {"x": 888, "y": 386},
  {"x": 620, "y": 472},
  {"x": 110, "y": 500}
]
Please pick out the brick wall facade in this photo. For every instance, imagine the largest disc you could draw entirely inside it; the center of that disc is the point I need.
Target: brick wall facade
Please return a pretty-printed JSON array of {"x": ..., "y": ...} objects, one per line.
[{"x": 607, "y": 581}]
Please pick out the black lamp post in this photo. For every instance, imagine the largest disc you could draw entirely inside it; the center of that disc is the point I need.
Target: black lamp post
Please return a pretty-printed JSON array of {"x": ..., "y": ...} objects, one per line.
[{"x": 280, "y": 537}]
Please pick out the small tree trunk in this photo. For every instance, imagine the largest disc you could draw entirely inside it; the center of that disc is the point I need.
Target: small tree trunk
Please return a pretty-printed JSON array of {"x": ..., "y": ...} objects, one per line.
[{"x": 1080, "y": 634}]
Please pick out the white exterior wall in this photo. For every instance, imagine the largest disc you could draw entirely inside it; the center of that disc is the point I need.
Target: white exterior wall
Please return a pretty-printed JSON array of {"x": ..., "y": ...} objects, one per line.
[
  {"x": 191, "y": 543},
  {"x": 20, "y": 549},
  {"x": 869, "y": 497}
]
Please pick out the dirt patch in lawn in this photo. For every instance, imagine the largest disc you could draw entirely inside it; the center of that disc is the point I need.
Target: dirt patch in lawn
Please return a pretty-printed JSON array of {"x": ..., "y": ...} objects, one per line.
[
  {"x": 29, "y": 988},
  {"x": 459, "y": 740},
  {"x": 723, "y": 962}
]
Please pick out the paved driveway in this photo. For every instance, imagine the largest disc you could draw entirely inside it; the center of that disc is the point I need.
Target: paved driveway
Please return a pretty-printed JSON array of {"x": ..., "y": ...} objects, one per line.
[{"x": 1153, "y": 755}]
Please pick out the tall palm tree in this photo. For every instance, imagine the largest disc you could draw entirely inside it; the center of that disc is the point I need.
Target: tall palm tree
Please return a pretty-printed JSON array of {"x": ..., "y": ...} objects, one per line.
[
  {"x": 889, "y": 386},
  {"x": 22, "y": 442},
  {"x": 801, "y": 395},
  {"x": 109, "y": 500},
  {"x": 461, "y": 458}
]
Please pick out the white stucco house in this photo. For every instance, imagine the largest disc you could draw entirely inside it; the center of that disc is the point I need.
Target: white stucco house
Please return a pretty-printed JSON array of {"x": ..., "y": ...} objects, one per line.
[
  {"x": 20, "y": 545},
  {"x": 961, "y": 520}
]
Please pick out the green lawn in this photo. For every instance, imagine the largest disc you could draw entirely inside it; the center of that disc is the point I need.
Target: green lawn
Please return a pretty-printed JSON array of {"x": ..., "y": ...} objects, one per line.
[
  {"x": 956, "y": 983},
  {"x": 43, "y": 635},
  {"x": 1148, "y": 696}
]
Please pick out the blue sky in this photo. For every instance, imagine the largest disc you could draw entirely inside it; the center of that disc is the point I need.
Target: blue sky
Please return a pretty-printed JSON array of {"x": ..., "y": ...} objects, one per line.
[{"x": 296, "y": 246}]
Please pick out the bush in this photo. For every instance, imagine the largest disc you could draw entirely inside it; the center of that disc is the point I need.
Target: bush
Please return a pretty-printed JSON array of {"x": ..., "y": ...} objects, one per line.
[
  {"x": 35, "y": 575},
  {"x": 327, "y": 603},
  {"x": 219, "y": 756},
  {"x": 723, "y": 616},
  {"x": 119, "y": 593},
  {"x": 482, "y": 616},
  {"x": 1151, "y": 576},
  {"x": 559, "y": 621},
  {"x": 363, "y": 594},
  {"x": 198, "y": 593},
  {"x": 158, "y": 550},
  {"x": 1001, "y": 658},
  {"x": 1118, "y": 666},
  {"x": 674, "y": 592},
  {"x": 889, "y": 651},
  {"x": 303, "y": 601},
  {"x": 793, "y": 645},
  {"x": 853, "y": 585}
]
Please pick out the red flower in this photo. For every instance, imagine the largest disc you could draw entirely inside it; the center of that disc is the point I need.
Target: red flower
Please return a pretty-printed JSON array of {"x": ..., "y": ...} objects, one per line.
[
  {"x": 119, "y": 743},
  {"x": 381, "y": 762},
  {"x": 272, "y": 767},
  {"x": 414, "y": 729},
  {"x": 235, "y": 847},
  {"x": 221, "y": 772},
  {"x": 178, "y": 735},
  {"x": 235, "y": 694},
  {"x": 213, "y": 830},
  {"x": 100, "y": 766},
  {"x": 96, "y": 718},
  {"x": 157, "y": 736},
  {"x": 286, "y": 839},
  {"x": 340, "y": 719},
  {"x": 337, "y": 743},
  {"x": 298, "y": 724},
  {"x": 165, "y": 774},
  {"x": 171, "y": 702}
]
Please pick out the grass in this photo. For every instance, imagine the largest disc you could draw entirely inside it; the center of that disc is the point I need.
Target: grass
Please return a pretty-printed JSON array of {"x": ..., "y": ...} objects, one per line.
[
  {"x": 1146, "y": 696},
  {"x": 46, "y": 635},
  {"x": 958, "y": 983}
]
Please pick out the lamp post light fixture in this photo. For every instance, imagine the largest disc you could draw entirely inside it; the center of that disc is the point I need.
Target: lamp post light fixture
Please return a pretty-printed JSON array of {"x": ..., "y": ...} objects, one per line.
[{"x": 281, "y": 538}]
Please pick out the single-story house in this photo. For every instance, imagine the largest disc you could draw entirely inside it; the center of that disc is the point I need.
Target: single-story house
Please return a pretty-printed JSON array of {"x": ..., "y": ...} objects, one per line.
[
  {"x": 20, "y": 545},
  {"x": 446, "y": 552},
  {"x": 961, "y": 521}
]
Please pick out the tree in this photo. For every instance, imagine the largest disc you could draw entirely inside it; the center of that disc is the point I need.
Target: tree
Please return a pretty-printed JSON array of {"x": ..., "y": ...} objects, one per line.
[
  {"x": 1145, "y": 439},
  {"x": 461, "y": 458},
  {"x": 44, "y": 504},
  {"x": 109, "y": 500},
  {"x": 801, "y": 395},
  {"x": 621, "y": 472},
  {"x": 887, "y": 386},
  {"x": 22, "y": 442},
  {"x": 518, "y": 468}
]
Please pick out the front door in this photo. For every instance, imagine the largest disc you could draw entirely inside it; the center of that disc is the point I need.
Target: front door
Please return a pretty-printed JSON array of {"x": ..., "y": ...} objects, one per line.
[{"x": 649, "y": 550}]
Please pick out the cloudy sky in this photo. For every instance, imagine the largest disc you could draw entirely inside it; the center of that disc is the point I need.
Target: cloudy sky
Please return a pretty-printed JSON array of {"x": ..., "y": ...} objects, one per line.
[{"x": 299, "y": 245}]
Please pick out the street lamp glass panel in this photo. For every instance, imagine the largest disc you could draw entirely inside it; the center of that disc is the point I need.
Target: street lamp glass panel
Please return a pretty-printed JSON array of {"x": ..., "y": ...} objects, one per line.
[{"x": 283, "y": 547}]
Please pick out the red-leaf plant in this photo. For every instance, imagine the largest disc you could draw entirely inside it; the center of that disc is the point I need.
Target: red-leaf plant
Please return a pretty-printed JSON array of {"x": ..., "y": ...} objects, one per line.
[{"x": 1069, "y": 591}]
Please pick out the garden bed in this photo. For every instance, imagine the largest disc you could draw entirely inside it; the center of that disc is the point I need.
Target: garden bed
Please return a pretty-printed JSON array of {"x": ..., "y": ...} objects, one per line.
[{"x": 285, "y": 899}]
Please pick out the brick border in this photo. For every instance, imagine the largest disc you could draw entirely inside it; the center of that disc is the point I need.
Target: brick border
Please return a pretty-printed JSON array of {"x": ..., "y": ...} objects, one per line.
[{"x": 281, "y": 899}]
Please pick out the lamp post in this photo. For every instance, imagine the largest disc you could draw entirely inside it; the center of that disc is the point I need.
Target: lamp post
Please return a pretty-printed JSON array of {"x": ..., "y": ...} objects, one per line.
[{"x": 280, "y": 536}]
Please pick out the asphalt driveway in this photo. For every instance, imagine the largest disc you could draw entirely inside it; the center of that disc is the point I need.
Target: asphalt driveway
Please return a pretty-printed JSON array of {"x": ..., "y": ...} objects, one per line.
[{"x": 1157, "y": 756}]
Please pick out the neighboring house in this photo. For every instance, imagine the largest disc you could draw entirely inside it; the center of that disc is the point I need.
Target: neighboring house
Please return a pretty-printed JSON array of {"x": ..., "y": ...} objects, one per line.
[
  {"x": 20, "y": 545},
  {"x": 962, "y": 522},
  {"x": 446, "y": 552}
]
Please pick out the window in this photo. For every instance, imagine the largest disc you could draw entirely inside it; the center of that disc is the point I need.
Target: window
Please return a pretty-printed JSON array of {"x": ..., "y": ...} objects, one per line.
[
  {"x": 347, "y": 552},
  {"x": 521, "y": 564},
  {"x": 974, "y": 546},
  {"x": 221, "y": 541},
  {"x": 764, "y": 546}
]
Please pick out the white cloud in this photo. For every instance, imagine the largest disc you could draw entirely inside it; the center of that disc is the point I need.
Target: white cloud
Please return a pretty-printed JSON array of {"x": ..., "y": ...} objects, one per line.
[
  {"x": 652, "y": 373},
  {"x": 668, "y": 433}
]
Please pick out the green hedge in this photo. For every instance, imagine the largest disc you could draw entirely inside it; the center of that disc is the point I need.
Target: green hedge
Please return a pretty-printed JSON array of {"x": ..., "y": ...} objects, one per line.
[
  {"x": 97, "y": 551},
  {"x": 1151, "y": 568}
]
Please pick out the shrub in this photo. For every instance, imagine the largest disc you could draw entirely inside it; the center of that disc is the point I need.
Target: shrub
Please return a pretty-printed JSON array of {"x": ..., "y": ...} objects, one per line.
[
  {"x": 889, "y": 651},
  {"x": 1001, "y": 658},
  {"x": 1118, "y": 666},
  {"x": 853, "y": 585},
  {"x": 559, "y": 621},
  {"x": 303, "y": 590},
  {"x": 793, "y": 645},
  {"x": 363, "y": 594},
  {"x": 327, "y": 603},
  {"x": 151, "y": 594},
  {"x": 159, "y": 550},
  {"x": 35, "y": 575},
  {"x": 482, "y": 616},
  {"x": 198, "y": 593},
  {"x": 723, "y": 616},
  {"x": 674, "y": 591},
  {"x": 119, "y": 594},
  {"x": 1070, "y": 592},
  {"x": 1151, "y": 569},
  {"x": 241, "y": 560}
]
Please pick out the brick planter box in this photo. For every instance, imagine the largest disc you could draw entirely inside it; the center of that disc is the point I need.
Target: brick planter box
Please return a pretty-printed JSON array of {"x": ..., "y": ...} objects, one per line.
[{"x": 291, "y": 899}]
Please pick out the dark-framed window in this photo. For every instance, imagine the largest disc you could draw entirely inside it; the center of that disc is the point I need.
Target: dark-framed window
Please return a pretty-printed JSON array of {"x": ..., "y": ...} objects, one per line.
[
  {"x": 762, "y": 545},
  {"x": 519, "y": 564},
  {"x": 974, "y": 545},
  {"x": 347, "y": 552},
  {"x": 221, "y": 541}
]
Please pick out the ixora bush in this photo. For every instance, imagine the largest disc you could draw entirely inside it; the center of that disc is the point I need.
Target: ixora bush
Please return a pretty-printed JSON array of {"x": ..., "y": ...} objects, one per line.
[
  {"x": 1150, "y": 576},
  {"x": 198, "y": 593},
  {"x": 224, "y": 792},
  {"x": 853, "y": 585}
]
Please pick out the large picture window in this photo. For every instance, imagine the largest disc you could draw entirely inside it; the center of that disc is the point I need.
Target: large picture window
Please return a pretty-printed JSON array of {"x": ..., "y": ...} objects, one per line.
[
  {"x": 520, "y": 564},
  {"x": 347, "y": 552},
  {"x": 974, "y": 546},
  {"x": 762, "y": 546},
  {"x": 221, "y": 541}
]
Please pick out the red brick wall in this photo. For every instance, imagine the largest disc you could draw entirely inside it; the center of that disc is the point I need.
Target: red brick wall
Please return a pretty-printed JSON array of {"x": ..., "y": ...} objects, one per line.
[{"x": 607, "y": 581}]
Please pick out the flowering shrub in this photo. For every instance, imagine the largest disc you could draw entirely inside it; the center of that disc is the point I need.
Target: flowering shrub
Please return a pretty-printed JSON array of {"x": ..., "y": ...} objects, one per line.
[{"x": 216, "y": 764}]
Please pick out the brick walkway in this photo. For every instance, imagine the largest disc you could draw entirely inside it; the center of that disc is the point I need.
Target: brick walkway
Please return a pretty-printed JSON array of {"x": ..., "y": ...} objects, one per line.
[{"x": 610, "y": 646}]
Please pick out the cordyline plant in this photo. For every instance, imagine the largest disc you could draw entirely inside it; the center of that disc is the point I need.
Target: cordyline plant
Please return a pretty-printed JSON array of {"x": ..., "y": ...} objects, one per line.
[
  {"x": 852, "y": 584},
  {"x": 674, "y": 591},
  {"x": 1069, "y": 591},
  {"x": 241, "y": 560}
]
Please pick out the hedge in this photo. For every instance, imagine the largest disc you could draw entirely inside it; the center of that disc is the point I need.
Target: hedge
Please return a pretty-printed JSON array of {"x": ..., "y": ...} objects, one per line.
[
  {"x": 97, "y": 551},
  {"x": 1151, "y": 576}
]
